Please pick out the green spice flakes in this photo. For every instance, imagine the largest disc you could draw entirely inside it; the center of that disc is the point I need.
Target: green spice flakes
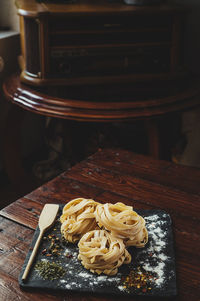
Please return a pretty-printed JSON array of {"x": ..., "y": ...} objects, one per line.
[{"x": 49, "y": 270}]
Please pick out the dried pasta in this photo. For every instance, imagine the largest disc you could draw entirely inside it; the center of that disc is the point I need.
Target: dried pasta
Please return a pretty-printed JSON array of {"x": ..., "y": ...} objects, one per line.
[
  {"x": 103, "y": 231},
  {"x": 101, "y": 252},
  {"x": 122, "y": 222},
  {"x": 78, "y": 218}
]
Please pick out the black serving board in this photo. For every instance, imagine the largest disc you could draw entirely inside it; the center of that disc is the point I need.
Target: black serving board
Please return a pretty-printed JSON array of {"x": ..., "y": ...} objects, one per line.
[{"x": 156, "y": 261}]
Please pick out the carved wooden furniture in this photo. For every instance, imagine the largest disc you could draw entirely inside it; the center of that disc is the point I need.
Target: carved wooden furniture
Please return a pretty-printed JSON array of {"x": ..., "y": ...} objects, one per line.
[
  {"x": 109, "y": 176},
  {"x": 93, "y": 42},
  {"x": 157, "y": 107},
  {"x": 102, "y": 104},
  {"x": 101, "y": 62}
]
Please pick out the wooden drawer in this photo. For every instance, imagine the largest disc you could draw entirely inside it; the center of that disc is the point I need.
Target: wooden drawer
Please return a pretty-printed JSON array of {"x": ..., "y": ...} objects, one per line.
[{"x": 74, "y": 62}]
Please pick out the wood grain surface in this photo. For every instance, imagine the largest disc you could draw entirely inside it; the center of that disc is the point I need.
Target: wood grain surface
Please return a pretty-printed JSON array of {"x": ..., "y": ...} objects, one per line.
[
  {"x": 109, "y": 176},
  {"x": 33, "y": 8},
  {"x": 113, "y": 104}
]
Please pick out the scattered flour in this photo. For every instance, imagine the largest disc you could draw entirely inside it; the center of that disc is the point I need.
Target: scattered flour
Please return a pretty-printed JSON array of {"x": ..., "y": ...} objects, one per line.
[
  {"x": 156, "y": 249},
  {"x": 153, "y": 259}
]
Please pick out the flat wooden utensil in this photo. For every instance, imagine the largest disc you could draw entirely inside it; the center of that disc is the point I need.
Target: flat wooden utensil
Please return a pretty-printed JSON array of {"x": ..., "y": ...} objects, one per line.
[{"x": 46, "y": 220}]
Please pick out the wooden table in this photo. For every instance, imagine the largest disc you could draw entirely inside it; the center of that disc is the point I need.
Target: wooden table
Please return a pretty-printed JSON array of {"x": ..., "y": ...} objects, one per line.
[{"x": 109, "y": 175}]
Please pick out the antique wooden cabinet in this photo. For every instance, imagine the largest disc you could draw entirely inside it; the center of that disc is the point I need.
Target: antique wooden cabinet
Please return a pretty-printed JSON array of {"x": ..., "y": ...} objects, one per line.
[{"x": 97, "y": 41}]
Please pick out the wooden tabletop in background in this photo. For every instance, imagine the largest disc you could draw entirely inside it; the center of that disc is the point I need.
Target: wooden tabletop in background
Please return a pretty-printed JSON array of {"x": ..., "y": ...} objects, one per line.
[{"x": 109, "y": 176}]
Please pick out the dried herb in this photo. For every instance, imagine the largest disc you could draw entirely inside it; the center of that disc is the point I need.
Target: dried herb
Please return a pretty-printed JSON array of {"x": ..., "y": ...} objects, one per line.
[
  {"x": 138, "y": 279},
  {"x": 49, "y": 270},
  {"x": 55, "y": 246},
  {"x": 44, "y": 251},
  {"x": 69, "y": 255}
]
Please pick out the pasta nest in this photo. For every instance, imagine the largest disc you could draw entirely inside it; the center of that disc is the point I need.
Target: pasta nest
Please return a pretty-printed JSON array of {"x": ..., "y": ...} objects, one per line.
[
  {"x": 123, "y": 223},
  {"x": 101, "y": 252},
  {"x": 78, "y": 218}
]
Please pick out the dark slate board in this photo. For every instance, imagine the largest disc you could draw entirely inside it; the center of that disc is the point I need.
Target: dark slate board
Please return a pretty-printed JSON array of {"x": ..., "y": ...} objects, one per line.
[{"x": 156, "y": 260}]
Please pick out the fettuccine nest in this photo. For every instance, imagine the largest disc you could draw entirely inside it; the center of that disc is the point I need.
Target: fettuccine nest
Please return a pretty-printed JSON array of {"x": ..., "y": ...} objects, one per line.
[{"x": 104, "y": 231}]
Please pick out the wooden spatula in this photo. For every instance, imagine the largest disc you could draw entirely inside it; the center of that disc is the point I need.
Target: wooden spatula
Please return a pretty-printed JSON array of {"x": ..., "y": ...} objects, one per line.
[{"x": 46, "y": 220}]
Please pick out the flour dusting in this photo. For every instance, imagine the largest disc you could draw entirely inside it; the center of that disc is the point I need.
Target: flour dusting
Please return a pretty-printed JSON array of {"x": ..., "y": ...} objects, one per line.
[
  {"x": 152, "y": 260},
  {"x": 153, "y": 265},
  {"x": 156, "y": 259}
]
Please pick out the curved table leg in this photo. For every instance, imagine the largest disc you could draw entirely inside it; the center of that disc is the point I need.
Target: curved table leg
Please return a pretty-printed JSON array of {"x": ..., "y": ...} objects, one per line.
[
  {"x": 153, "y": 136},
  {"x": 163, "y": 133}
]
